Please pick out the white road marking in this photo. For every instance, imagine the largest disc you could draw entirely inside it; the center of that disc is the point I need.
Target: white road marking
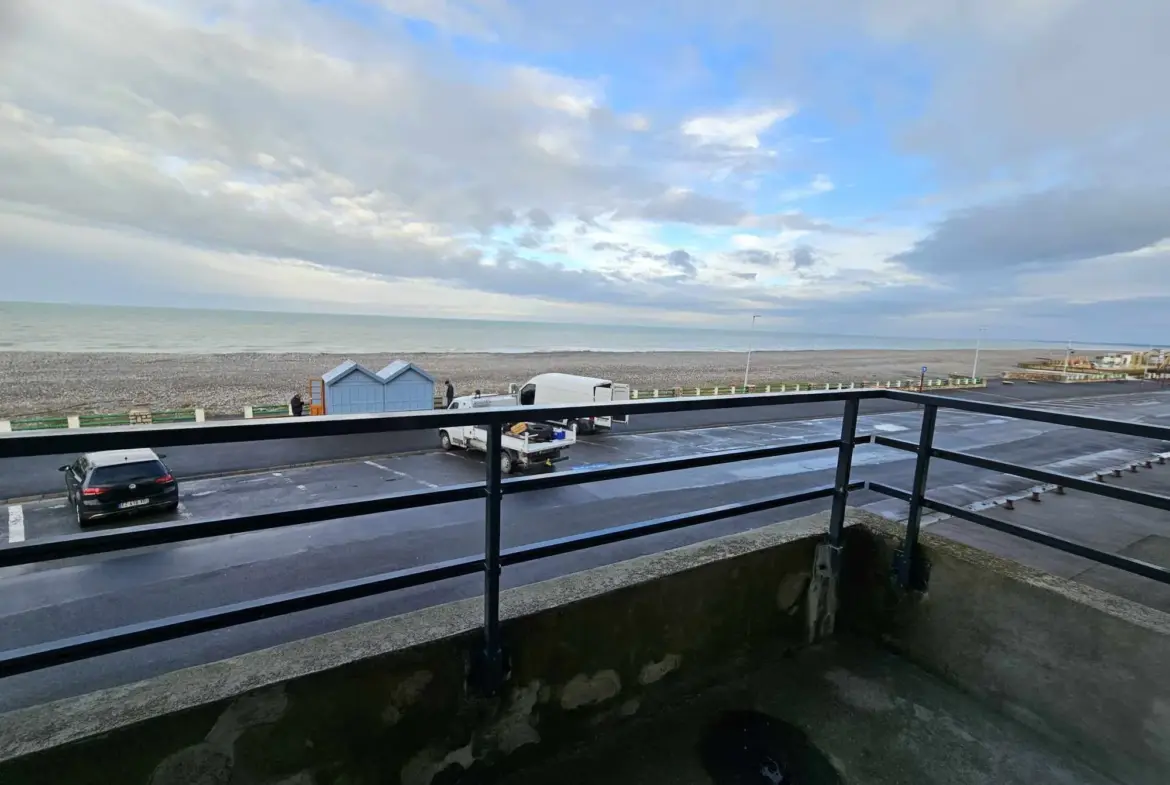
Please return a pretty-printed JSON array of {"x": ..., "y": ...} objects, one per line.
[
  {"x": 16, "y": 523},
  {"x": 302, "y": 488},
  {"x": 277, "y": 474},
  {"x": 184, "y": 513},
  {"x": 401, "y": 475}
]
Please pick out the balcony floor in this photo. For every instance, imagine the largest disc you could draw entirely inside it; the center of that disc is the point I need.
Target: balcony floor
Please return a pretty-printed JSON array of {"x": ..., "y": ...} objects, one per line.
[{"x": 877, "y": 719}]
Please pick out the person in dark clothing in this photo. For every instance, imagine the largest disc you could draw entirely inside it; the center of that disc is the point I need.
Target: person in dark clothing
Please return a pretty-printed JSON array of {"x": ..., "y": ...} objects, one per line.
[
  {"x": 298, "y": 406},
  {"x": 450, "y": 392}
]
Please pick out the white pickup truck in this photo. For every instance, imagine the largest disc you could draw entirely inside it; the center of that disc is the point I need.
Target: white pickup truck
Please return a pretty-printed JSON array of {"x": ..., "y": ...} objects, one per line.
[{"x": 523, "y": 445}]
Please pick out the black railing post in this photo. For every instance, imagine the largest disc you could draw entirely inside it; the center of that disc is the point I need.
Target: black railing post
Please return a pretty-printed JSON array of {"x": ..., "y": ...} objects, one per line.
[
  {"x": 844, "y": 464},
  {"x": 492, "y": 670},
  {"x": 822, "y": 592},
  {"x": 911, "y": 573}
]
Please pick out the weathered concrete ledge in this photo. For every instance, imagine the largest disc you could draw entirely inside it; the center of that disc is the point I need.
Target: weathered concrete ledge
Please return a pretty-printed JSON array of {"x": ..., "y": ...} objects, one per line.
[
  {"x": 389, "y": 701},
  {"x": 1083, "y": 667}
]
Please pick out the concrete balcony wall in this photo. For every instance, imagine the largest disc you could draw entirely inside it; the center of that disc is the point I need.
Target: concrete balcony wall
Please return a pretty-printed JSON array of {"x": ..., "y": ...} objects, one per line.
[
  {"x": 598, "y": 655},
  {"x": 1083, "y": 667},
  {"x": 389, "y": 701}
]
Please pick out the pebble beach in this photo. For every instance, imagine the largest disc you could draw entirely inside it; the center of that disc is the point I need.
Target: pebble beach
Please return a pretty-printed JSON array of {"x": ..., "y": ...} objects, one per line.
[{"x": 46, "y": 383}]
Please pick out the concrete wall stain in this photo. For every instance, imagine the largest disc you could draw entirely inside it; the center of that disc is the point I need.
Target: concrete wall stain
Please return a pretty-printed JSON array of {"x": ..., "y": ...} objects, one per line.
[
  {"x": 583, "y": 690},
  {"x": 655, "y": 671},
  {"x": 211, "y": 761}
]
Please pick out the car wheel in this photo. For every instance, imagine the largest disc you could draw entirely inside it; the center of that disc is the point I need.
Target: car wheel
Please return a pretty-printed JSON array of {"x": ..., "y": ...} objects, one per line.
[
  {"x": 505, "y": 463},
  {"x": 171, "y": 507},
  {"x": 82, "y": 521},
  {"x": 444, "y": 440}
]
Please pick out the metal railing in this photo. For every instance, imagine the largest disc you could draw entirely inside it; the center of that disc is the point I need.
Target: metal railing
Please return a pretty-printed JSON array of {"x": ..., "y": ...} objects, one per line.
[{"x": 491, "y": 665}]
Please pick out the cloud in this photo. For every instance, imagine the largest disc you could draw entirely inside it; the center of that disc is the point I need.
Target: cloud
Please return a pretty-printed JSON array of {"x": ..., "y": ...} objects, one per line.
[
  {"x": 803, "y": 257},
  {"x": 953, "y": 155},
  {"x": 1044, "y": 229},
  {"x": 736, "y": 131}
]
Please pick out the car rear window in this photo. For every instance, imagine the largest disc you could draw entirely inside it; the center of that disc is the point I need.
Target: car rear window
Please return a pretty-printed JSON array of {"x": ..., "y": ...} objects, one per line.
[{"x": 127, "y": 472}]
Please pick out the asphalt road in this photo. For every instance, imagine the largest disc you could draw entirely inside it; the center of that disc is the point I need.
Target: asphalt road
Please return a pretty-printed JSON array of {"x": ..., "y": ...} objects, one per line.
[
  {"x": 47, "y": 602},
  {"x": 32, "y": 477}
]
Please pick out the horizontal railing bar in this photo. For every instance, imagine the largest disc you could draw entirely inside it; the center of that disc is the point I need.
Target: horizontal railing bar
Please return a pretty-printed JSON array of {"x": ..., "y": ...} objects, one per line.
[
  {"x": 659, "y": 465},
  {"x": 593, "y": 539},
  {"x": 1144, "y": 498},
  {"x": 60, "y": 442},
  {"x": 92, "y": 543},
  {"x": 1124, "y": 563},
  {"x": 1142, "y": 430},
  {"x": 60, "y": 652},
  {"x": 32, "y": 658}
]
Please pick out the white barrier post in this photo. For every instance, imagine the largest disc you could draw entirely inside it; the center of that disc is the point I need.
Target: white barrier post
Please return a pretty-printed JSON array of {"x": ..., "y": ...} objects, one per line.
[
  {"x": 73, "y": 421},
  {"x": 716, "y": 391},
  {"x": 634, "y": 394},
  {"x": 768, "y": 388},
  {"x": 247, "y": 412},
  {"x": 5, "y": 426},
  {"x": 733, "y": 389},
  {"x": 656, "y": 393},
  {"x": 200, "y": 416},
  {"x": 827, "y": 386},
  {"x": 784, "y": 388},
  {"x": 698, "y": 391},
  {"x": 851, "y": 385}
]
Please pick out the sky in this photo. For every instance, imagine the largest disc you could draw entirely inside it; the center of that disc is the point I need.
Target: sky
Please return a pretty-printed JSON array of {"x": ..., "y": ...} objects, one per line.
[{"x": 885, "y": 167}]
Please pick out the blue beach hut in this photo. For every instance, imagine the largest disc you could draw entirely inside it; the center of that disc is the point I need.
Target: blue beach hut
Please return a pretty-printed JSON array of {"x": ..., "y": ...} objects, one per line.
[
  {"x": 351, "y": 388},
  {"x": 406, "y": 388}
]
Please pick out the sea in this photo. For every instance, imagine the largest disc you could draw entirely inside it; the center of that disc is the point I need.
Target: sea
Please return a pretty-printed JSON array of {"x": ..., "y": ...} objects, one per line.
[{"x": 38, "y": 327}]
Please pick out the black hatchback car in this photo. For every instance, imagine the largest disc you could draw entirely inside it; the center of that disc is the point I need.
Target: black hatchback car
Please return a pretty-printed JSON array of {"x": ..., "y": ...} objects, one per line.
[{"x": 119, "y": 482}]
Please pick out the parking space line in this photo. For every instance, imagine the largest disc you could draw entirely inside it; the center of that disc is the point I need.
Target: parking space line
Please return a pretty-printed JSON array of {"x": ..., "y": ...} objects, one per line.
[
  {"x": 402, "y": 475},
  {"x": 16, "y": 523}
]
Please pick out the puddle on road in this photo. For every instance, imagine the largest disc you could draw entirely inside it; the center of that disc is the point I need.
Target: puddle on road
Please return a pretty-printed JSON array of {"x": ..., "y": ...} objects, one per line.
[{"x": 751, "y": 748}]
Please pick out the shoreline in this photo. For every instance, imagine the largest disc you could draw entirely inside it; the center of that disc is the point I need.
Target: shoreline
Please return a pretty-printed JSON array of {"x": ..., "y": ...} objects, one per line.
[{"x": 55, "y": 383}]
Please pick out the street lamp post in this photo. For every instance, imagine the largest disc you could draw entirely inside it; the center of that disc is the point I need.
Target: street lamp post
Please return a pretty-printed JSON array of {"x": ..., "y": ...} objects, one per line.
[
  {"x": 748, "y": 368},
  {"x": 978, "y": 344}
]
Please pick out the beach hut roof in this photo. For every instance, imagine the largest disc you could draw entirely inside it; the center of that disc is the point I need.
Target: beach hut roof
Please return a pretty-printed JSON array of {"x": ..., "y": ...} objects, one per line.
[
  {"x": 399, "y": 367},
  {"x": 345, "y": 369}
]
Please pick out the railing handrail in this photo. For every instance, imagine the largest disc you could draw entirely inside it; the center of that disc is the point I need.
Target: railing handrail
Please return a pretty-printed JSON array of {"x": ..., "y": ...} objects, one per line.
[
  {"x": 495, "y": 487},
  {"x": 20, "y": 444}
]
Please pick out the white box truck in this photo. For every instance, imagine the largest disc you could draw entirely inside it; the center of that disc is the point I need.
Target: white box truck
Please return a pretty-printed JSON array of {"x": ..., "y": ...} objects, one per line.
[
  {"x": 553, "y": 388},
  {"x": 523, "y": 445}
]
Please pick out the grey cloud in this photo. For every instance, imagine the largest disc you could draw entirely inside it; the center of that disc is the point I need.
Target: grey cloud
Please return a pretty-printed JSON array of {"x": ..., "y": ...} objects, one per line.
[
  {"x": 756, "y": 256},
  {"x": 530, "y": 240},
  {"x": 539, "y": 219},
  {"x": 746, "y": 276},
  {"x": 687, "y": 207},
  {"x": 682, "y": 261},
  {"x": 803, "y": 257},
  {"x": 1047, "y": 228}
]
